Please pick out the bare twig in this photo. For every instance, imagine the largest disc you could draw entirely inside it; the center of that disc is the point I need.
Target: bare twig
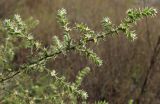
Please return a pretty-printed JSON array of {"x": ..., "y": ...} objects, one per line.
[{"x": 149, "y": 70}]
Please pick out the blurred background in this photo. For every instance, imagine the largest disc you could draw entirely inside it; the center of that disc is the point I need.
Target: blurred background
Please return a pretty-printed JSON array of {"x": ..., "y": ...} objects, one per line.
[{"x": 125, "y": 63}]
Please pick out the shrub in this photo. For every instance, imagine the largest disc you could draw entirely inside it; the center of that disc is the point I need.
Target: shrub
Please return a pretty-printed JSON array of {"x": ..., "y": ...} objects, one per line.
[{"x": 52, "y": 88}]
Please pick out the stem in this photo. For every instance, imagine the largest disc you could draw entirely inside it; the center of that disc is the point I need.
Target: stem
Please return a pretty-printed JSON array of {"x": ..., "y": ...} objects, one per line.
[
  {"x": 150, "y": 69},
  {"x": 23, "y": 67}
]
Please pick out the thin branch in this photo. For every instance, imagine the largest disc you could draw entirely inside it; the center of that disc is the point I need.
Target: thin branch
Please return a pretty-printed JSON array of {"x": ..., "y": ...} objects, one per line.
[
  {"x": 147, "y": 76},
  {"x": 23, "y": 67}
]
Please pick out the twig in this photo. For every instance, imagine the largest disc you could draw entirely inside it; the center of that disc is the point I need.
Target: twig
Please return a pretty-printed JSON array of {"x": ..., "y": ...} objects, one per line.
[
  {"x": 147, "y": 76},
  {"x": 23, "y": 67}
]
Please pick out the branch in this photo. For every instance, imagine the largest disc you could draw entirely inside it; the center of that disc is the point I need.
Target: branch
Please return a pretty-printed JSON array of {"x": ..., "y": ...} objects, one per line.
[
  {"x": 133, "y": 15},
  {"x": 147, "y": 76},
  {"x": 23, "y": 67}
]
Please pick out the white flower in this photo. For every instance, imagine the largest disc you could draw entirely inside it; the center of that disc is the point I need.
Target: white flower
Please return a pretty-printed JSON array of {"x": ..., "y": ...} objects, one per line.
[
  {"x": 53, "y": 73},
  {"x": 15, "y": 93},
  {"x": 106, "y": 20},
  {"x": 85, "y": 95},
  {"x": 134, "y": 36},
  {"x": 31, "y": 102}
]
